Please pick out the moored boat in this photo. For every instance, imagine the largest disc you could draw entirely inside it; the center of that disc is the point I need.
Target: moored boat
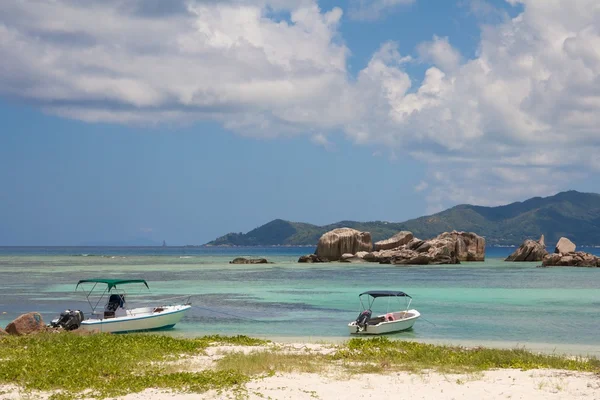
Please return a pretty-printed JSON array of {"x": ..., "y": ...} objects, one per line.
[
  {"x": 118, "y": 317},
  {"x": 391, "y": 321}
]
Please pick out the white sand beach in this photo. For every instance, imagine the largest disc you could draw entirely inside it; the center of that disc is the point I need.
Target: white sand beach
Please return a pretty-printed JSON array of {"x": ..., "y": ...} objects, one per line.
[
  {"x": 336, "y": 384},
  {"x": 498, "y": 384}
]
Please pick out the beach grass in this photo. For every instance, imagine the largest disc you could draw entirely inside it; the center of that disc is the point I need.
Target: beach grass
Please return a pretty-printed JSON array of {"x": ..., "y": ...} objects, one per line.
[
  {"x": 109, "y": 365},
  {"x": 271, "y": 361},
  {"x": 384, "y": 354},
  {"x": 104, "y": 365},
  {"x": 381, "y": 355}
]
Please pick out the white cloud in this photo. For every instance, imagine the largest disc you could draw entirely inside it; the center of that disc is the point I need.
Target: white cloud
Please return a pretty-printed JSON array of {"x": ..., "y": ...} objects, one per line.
[
  {"x": 486, "y": 12},
  {"x": 519, "y": 119},
  {"x": 321, "y": 140},
  {"x": 421, "y": 186},
  {"x": 230, "y": 61},
  {"x": 373, "y": 9},
  {"x": 440, "y": 52}
]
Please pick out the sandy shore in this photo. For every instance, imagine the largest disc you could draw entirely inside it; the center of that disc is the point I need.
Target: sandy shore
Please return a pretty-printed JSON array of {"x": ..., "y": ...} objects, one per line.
[
  {"x": 499, "y": 384},
  {"x": 336, "y": 384}
]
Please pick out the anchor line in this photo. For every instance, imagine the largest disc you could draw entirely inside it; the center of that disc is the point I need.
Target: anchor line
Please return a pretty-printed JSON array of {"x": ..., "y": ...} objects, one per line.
[
  {"x": 224, "y": 313},
  {"x": 428, "y": 321}
]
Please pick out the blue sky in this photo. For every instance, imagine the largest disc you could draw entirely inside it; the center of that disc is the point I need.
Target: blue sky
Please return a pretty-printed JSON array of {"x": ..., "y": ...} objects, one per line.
[{"x": 186, "y": 120}]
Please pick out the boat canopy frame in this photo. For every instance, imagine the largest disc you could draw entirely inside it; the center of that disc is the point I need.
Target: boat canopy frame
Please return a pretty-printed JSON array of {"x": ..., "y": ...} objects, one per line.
[
  {"x": 374, "y": 294},
  {"x": 110, "y": 285},
  {"x": 384, "y": 293}
]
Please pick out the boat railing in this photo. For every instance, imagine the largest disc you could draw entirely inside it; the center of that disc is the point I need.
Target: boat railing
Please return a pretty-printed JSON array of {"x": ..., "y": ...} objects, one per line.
[{"x": 164, "y": 301}]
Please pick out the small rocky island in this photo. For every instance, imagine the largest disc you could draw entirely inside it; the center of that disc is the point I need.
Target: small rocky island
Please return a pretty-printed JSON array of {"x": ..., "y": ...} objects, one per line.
[
  {"x": 348, "y": 245},
  {"x": 243, "y": 260},
  {"x": 530, "y": 250},
  {"x": 564, "y": 254},
  {"x": 351, "y": 245}
]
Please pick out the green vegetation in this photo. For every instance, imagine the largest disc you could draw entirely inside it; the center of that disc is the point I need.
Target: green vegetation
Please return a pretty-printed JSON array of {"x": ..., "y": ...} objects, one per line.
[
  {"x": 381, "y": 355},
  {"x": 284, "y": 233},
  {"x": 112, "y": 365},
  {"x": 271, "y": 361},
  {"x": 384, "y": 354},
  {"x": 109, "y": 365},
  {"x": 572, "y": 214}
]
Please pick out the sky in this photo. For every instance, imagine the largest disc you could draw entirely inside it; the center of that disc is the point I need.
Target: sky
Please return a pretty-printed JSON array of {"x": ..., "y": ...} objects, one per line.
[{"x": 138, "y": 121}]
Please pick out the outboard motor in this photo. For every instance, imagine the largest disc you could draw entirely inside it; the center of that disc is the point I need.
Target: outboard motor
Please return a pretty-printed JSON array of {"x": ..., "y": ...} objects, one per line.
[
  {"x": 68, "y": 320},
  {"x": 361, "y": 321}
]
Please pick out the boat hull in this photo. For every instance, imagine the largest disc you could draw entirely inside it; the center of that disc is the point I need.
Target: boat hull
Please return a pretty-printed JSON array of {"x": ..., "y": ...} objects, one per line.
[
  {"x": 403, "y": 320},
  {"x": 137, "y": 322}
]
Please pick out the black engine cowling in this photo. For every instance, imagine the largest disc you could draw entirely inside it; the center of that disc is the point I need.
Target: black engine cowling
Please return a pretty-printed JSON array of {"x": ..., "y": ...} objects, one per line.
[
  {"x": 361, "y": 321},
  {"x": 68, "y": 320}
]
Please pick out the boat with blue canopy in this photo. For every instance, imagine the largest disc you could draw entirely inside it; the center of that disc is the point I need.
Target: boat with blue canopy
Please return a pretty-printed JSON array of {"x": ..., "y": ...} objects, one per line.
[{"x": 391, "y": 321}]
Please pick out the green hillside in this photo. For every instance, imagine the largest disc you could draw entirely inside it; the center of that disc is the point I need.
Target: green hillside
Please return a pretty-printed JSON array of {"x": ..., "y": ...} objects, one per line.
[
  {"x": 572, "y": 214},
  {"x": 280, "y": 232}
]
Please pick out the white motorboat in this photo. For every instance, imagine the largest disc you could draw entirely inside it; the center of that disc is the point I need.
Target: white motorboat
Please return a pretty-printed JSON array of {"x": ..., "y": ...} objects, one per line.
[
  {"x": 118, "y": 317},
  {"x": 391, "y": 321}
]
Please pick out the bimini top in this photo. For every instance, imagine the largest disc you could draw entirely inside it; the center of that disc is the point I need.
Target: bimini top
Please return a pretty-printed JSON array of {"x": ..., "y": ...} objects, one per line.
[
  {"x": 384, "y": 293},
  {"x": 112, "y": 282}
]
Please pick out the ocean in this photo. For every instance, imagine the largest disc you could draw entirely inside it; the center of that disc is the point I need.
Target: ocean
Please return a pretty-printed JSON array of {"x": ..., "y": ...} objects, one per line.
[{"x": 491, "y": 303}]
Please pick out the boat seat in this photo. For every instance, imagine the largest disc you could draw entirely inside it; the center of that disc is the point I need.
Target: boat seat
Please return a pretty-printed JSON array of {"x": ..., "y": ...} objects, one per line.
[
  {"x": 114, "y": 302},
  {"x": 376, "y": 320}
]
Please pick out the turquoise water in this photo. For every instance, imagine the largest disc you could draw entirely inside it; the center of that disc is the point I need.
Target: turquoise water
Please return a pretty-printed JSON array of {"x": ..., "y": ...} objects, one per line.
[{"x": 492, "y": 302}]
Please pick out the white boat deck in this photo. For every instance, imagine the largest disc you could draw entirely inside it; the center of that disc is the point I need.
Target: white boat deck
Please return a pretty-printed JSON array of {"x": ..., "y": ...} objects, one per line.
[
  {"x": 386, "y": 323},
  {"x": 136, "y": 319}
]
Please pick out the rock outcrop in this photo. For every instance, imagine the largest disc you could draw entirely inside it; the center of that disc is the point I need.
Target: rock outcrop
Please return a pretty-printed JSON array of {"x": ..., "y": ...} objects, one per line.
[
  {"x": 311, "y": 258},
  {"x": 350, "y": 245},
  {"x": 441, "y": 250},
  {"x": 26, "y": 324},
  {"x": 347, "y": 257},
  {"x": 447, "y": 248},
  {"x": 355, "y": 258},
  {"x": 530, "y": 250},
  {"x": 565, "y": 256},
  {"x": 361, "y": 254},
  {"x": 399, "y": 239},
  {"x": 242, "y": 260},
  {"x": 469, "y": 246},
  {"x": 3, "y": 332},
  {"x": 574, "y": 259},
  {"x": 334, "y": 243},
  {"x": 564, "y": 246}
]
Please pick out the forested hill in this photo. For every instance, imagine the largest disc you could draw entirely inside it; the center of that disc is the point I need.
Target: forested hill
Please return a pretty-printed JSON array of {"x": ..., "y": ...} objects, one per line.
[{"x": 572, "y": 214}]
